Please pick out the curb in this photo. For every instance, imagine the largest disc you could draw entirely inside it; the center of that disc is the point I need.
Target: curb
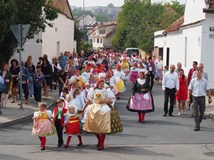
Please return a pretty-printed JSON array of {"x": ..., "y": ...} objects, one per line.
[{"x": 21, "y": 119}]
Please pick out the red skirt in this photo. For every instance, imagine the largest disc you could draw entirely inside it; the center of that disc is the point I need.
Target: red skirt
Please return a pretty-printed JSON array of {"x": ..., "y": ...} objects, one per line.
[{"x": 73, "y": 128}]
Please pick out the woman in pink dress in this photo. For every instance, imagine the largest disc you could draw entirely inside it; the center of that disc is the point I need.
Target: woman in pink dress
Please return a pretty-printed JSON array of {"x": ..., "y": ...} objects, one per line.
[
  {"x": 141, "y": 100},
  {"x": 181, "y": 95}
]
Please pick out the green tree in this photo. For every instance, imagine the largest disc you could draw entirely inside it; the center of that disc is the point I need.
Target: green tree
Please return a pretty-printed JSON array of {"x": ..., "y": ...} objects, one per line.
[
  {"x": 139, "y": 19},
  {"x": 100, "y": 17},
  {"x": 110, "y": 5},
  {"x": 38, "y": 14},
  {"x": 80, "y": 37},
  {"x": 77, "y": 12}
]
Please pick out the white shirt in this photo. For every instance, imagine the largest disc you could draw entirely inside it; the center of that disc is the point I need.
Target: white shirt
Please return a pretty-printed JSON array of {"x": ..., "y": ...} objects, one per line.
[
  {"x": 159, "y": 64},
  {"x": 170, "y": 80},
  {"x": 119, "y": 74},
  {"x": 198, "y": 87}
]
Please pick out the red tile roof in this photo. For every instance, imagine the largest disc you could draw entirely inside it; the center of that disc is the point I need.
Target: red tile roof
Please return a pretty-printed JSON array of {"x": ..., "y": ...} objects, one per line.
[{"x": 176, "y": 25}]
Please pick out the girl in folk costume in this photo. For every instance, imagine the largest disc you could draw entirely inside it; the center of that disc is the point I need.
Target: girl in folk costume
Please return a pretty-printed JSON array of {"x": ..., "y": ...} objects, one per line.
[
  {"x": 141, "y": 100},
  {"x": 58, "y": 119},
  {"x": 73, "y": 125},
  {"x": 99, "y": 116},
  {"x": 42, "y": 125},
  {"x": 78, "y": 79},
  {"x": 7, "y": 77},
  {"x": 119, "y": 76},
  {"x": 181, "y": 95},
  {"x": 84, "y": 92},
  {"x": 134, "y": 72},
  {"x": 78, "y": 100}
]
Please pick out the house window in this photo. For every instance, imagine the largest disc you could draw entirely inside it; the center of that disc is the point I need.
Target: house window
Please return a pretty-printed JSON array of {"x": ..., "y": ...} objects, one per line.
[
  {"x": 102, "y": 31},
  {"x": 185, "y": 58},
  {"x": 98, "y": 40},
  {"x": 101, "y": 40}
]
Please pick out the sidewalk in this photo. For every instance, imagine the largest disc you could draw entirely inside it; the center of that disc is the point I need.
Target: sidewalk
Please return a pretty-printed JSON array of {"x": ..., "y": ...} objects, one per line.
[{"x": 12, "y": 114}]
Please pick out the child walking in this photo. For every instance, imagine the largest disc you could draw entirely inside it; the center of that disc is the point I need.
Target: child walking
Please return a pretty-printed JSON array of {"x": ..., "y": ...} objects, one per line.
[
  {"x": 73, "y": 125},
  {"x": 58, "y": 119},
  {"x": 42, "y": 125}
]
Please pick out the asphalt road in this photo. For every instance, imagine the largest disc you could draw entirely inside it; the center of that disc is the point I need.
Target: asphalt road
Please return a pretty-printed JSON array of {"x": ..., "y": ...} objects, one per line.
[{"x": 158, "y": 138}]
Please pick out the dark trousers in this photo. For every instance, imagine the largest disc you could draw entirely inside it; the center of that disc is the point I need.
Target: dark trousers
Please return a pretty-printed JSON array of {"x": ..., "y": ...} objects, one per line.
[
  {"x": 60, "y": 88},
  {"x": 59, "y": 130},
  {"x": 25, "y": 90},
  {"x": 198, "y": 109},
  {"x": 169, "y": 94},
  {"x": 38, "y": 94},
  {"x": 150, "y": 78}
]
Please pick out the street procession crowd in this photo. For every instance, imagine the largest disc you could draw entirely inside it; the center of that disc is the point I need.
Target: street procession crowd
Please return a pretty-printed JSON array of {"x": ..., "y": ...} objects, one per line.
[{"x": 89, "y": 83}]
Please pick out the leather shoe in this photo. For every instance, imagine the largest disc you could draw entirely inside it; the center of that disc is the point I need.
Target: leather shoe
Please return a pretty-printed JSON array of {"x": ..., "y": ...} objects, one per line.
[
  {"x": 164, "y": 115},
  {"x": 170, "y": 115},
  {"x": 197, "y": 129}
]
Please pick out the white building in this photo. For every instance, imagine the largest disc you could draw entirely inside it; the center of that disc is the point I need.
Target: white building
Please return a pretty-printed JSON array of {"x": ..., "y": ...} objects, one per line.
[
  {"x": 54, "y": 40},
  {"x": 102, "y": 35},
  {"x": 85, "y": 20},
  {"x": 190, "y": 38}
]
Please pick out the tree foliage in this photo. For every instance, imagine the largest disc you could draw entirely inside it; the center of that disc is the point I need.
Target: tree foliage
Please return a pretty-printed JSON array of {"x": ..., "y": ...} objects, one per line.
[
  {"x": 139, "y": 19},
  {"x": 81, "y": 39},
  {"x": 38, "y": 14}
]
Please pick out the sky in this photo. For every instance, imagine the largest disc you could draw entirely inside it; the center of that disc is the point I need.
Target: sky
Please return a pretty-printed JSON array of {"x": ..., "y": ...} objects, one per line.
[{"x": 79, "y": 3}]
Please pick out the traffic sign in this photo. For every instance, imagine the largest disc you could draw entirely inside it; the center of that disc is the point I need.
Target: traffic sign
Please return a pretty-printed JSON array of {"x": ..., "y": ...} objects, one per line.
[{"x": 20, "y": 31}]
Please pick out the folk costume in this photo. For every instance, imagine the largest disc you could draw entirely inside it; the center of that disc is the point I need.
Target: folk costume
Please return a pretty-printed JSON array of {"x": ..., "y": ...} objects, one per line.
[
  {"x": 77, "y": 79},
  {"x": 141, "y": 101},
  {"x": 101, "y": 118},
  {"x": 58, "y": 120},
  {"x": 73, "y": 127},
  {"x": 119, "y": 77},
  {"x": 133, "y": 72},
  {"x": 42, "y": 126}
]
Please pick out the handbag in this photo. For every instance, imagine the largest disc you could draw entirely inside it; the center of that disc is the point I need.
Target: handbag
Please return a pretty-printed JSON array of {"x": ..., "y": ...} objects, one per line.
[{"x": 116, "y": 125}]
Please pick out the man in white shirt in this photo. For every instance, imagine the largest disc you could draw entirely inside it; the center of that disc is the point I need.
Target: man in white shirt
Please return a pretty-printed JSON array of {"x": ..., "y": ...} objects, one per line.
[
  {"x": 198, "y": 88},
  {"x": 170, "y": 85}
]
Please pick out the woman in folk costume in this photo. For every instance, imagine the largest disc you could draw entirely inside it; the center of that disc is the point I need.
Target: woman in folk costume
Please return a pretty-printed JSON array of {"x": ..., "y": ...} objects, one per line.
[
  {"x": 134, "y": 72},
  {"x": 42, "y": 125},
  {"x": 125, "y": 66},
  {"x": 100, "y": 119},
  {"x": 72, "y": 125},
  {"x": 141, "y": 100},
  {"x": 119, "y": 77}
]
